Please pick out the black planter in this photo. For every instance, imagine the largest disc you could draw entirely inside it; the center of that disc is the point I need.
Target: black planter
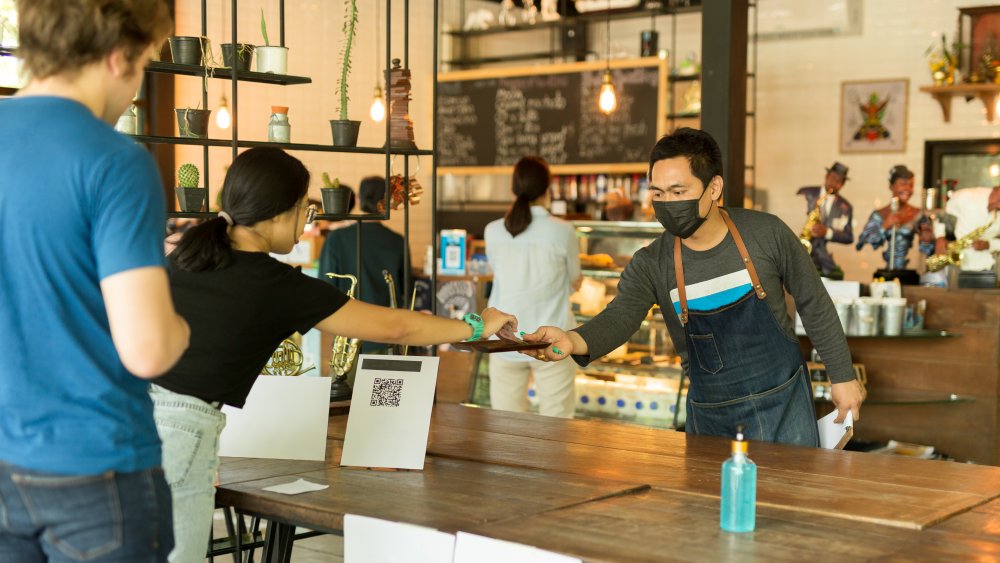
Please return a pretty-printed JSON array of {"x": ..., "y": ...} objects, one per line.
[
  {"x": 187, "y": 50},
  {"x": 243, "y": 52},
  {"x": 193, "y": 122},
  {"x": 336, "y": 200},
  {"x": 191, "y": 200},
  {"x": 345, "y": 132}
]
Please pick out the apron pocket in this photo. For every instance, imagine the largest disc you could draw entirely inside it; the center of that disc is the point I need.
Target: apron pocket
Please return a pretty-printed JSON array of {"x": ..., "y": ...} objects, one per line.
[
  {"x": 707, "y": 352},
  {"x": 781, "y": 414}
]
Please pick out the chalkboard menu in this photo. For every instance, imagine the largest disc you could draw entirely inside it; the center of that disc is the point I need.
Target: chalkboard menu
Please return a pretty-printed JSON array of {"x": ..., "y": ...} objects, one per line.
[{"x": 494, "y": 121}]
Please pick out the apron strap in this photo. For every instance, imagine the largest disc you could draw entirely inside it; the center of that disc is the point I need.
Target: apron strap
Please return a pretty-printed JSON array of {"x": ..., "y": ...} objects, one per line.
[
  {"x": 679, "y": 266},
  {"x": 744, "y": 254}
]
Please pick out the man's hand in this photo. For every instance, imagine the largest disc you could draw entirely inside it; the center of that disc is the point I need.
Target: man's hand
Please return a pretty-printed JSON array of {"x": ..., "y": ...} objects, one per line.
[
  {"x": 819, "y": 230},
  {"x": 980, "y": 244},
  {"x": 561, "y": 345},
  {"x": 848, "y": 396},
  {"x": 497, "y": 322}
]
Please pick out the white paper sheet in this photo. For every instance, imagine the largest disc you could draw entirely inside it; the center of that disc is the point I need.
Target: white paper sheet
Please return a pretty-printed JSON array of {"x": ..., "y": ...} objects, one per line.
[
  {"x": 372, "y": 539},
  {"x": 296, "y": 487},
  {"x": 470, "y": 548},
  {"x": 390, "y": 412},
  {"x": 831, "y": 433},
  {"x": 283, "y": 418}
]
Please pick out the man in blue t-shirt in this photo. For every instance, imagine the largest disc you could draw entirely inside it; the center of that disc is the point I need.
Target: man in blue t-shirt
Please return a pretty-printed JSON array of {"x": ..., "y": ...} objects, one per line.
[{"x": 86, "y": 315}]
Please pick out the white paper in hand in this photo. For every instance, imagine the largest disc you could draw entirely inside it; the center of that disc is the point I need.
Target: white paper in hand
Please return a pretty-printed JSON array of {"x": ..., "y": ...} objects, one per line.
[{"x": 833, "y": 436}]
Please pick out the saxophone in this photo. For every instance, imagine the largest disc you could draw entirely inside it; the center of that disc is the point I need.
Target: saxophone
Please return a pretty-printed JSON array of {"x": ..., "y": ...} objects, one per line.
[
  {"x": 953, "y": 252},
  {"x": 345, "y": 350},
  {"x": 805, "y": 236}
]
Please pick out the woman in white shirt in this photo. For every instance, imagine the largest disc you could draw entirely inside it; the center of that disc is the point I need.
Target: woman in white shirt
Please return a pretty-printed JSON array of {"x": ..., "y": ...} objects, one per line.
[{"x": 536, "y": 264}]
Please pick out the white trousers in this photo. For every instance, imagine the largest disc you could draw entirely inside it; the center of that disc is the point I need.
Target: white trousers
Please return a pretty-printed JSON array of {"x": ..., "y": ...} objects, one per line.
[{"x": 554, "y": 383}]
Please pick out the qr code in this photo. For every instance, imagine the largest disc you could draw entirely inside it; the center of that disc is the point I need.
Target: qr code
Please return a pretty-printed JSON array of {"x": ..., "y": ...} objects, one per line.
[{"x": 386, "y": 392}]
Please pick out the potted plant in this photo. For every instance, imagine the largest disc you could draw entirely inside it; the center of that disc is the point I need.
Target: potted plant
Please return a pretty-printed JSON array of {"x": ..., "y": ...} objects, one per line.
[
  {"x": 193, "y": 122},
  {"x": 187, "y": 50},
  {"x": 190, "y": 197},
  {"x": 237, "y": 55},
  {"x": 345, "y": 131},
  {"x": 273, "y": 59},
  {"x": 336, "y": 198}
]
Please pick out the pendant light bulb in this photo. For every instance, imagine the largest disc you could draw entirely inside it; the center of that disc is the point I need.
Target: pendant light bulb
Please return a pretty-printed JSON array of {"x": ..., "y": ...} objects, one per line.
[
  {"x": 222, "y": 117},
  {"x": 608, "y": 100},
  {"x": 378, "y": 106}
]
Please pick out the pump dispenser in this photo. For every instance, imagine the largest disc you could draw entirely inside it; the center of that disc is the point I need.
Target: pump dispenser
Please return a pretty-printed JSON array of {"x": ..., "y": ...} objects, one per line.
[{"x": 739, "y": 489}]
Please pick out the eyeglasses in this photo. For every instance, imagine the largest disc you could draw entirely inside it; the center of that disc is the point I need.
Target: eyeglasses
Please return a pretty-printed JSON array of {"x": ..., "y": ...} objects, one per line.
[{"x": 311, "y": 212}]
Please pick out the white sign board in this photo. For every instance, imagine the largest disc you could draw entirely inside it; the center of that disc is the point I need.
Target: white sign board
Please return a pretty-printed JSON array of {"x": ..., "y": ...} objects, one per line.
[
  {"x": 371, "y": 539},
  {"x": 470, "y": 548},
  {"x": 283, "y": 418},
  {"x": 390, "y": 412}
]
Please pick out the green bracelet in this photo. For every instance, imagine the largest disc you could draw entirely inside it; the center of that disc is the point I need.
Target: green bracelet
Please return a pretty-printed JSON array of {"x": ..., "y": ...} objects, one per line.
[{"x": 476, "y": 322}]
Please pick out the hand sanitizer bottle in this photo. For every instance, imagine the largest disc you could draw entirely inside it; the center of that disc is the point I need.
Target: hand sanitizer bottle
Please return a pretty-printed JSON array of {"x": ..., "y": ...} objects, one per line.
[{"x": 739, "y": 489}]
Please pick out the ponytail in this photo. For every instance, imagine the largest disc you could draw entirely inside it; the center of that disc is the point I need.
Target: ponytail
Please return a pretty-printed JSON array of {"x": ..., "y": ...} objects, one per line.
[
  {"x": 204, "y": 247},
  {"x": 518, "y": 217},
  {"x": 531, "y": 181}
]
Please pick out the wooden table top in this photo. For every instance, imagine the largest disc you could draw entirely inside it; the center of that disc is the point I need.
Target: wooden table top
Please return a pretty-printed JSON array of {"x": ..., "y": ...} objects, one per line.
[{"x": 580, "y": 487}]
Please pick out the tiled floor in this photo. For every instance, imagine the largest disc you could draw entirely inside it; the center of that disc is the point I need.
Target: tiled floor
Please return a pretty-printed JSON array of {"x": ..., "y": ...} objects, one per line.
[{"x": 321, "y": 549}]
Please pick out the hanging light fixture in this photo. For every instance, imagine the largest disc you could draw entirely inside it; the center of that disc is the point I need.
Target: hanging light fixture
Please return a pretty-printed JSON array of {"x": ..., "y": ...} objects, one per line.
[
  {"x": 607, "y": 100},
  {"x": 377, "y": 111},
  {"x": 222, "y": 117}
]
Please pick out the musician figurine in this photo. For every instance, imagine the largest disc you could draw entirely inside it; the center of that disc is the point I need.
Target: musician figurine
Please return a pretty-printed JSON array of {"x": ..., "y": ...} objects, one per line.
[
  {"x": 896, "y": 225},
  {"x": 830, "y": 218},
  {"x": 974, "y": 241}
]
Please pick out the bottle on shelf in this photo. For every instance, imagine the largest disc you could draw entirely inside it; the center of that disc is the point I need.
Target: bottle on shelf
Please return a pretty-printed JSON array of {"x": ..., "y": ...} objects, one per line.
[
  {"x": 278, "y": 129},
  {"x": 557, "y": 203},
  {"x": 738, "y": 506}
]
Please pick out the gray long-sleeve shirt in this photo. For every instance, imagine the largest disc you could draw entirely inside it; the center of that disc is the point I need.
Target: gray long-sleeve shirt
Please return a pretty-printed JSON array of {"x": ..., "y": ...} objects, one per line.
[{"x": 781, "y": 262}]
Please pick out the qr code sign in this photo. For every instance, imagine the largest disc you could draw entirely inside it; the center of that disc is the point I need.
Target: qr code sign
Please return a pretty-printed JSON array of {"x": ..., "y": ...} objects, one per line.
[{"x": 386, "y": 392}]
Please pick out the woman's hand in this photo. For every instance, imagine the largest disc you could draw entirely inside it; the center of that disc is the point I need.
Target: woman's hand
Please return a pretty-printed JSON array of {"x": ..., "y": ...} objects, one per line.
[{"x": 497, "y": 322}]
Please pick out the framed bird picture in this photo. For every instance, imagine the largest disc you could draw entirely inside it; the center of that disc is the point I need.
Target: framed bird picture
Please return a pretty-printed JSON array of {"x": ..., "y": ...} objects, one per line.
[{"x": 873, "y": 115}]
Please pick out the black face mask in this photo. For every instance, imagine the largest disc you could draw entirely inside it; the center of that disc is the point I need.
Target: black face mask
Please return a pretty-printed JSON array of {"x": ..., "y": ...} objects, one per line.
[{"x": 680, "y": 218}]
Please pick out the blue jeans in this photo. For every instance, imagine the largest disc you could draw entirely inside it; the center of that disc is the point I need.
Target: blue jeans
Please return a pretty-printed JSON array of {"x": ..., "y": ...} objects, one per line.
[
  {"x": 111, "y": 517},
  {"x": 189, "y": 429}
]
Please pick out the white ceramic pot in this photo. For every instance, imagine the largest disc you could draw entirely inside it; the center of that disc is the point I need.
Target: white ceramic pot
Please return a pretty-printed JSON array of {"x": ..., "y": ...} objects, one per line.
[{"x": 272, "y": 59}]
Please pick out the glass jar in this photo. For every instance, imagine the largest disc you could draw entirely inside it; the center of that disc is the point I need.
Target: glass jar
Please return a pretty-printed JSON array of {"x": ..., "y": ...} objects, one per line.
[{"x": 278, "y": 129}]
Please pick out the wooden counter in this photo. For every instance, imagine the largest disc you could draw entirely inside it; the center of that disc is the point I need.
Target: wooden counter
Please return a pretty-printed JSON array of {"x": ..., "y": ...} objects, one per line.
[
  {"x": 603, "y": 491},
  {"x": 915, "y": 376}
]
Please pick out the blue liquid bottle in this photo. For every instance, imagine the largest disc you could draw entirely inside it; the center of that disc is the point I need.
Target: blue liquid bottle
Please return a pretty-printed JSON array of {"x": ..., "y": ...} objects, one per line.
[{"x": 739, "y": 489}]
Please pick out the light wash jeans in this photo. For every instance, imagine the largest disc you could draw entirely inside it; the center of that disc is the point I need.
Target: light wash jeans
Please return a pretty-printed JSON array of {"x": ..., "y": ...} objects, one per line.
[{"x": 189, "y": 429}]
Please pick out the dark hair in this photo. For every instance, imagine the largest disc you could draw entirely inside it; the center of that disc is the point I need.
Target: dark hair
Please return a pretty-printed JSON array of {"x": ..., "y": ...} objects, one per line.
[
  {"x": 899, "y": 171},
  {"x": 371, "y": 192},
  {"x": 61, "y": 36},
  {"x": 531, "y": 181},
  {"x": 262, "y": 183},
  {"x": 697, "y": 146}
]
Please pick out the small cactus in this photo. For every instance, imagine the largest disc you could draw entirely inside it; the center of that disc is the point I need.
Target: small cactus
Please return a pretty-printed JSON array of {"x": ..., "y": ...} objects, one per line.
[
  {"x": 187, "y": 176},
  {"x": 327, "y": 184}
]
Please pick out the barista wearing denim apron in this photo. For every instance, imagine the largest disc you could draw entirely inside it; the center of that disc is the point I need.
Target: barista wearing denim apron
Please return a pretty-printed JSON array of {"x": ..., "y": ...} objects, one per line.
[{"x": 743, "y": 369}]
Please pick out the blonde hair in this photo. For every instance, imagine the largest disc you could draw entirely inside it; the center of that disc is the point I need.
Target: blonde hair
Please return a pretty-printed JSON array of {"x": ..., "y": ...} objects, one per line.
[{"x": 61, "y": 36}]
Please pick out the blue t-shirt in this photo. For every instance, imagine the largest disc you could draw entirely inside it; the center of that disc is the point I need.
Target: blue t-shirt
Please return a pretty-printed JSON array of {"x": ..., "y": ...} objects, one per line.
[{"x": 78, "y": 202}]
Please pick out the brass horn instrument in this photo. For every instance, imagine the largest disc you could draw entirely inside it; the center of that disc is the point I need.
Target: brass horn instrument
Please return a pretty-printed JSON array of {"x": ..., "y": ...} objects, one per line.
[
  {"x": 953, "y": 252},
  {"x": 345, "y": 350},
  {"x": 805, "y": 236},
  {"x": 286, "y": 360}
]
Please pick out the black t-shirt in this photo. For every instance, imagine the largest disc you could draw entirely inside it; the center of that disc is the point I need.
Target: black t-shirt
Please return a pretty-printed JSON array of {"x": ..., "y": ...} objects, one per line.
[{"x": 238, "y": 317}]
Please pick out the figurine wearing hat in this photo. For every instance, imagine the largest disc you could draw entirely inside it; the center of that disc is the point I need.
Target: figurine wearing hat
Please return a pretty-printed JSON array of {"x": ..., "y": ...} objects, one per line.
[
  {"x": 830, "y": 218},
  {"x": 896, "y": 224}
]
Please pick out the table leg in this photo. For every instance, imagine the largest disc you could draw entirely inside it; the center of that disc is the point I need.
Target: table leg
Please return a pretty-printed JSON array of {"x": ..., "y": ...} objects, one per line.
[{"x": 278, "y": 544}]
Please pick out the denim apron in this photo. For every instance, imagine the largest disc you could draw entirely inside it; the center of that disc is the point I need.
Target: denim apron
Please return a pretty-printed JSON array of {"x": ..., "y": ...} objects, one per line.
[{"x": 743, "y": 368}]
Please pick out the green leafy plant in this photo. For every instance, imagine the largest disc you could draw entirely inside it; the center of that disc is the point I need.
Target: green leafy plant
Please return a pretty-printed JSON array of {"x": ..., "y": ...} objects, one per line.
[
  {"x": 327, "y": 184},
  {"x": 350, "y": 25},
  {"x": 263, "y": 28},
  {"x": 188, "y": 176}
]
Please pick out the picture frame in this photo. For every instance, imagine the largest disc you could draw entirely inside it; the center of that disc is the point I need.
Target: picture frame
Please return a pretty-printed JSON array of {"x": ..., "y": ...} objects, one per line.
[
  {"x": 873, "y": 115},
  {"x": 978, "y": 31}
]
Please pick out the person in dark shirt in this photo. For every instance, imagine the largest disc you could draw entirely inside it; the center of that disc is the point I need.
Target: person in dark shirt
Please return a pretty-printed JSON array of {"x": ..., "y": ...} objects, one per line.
[
  {"x": 381, "y": 250},
  {"x": 241, "y": 303}
]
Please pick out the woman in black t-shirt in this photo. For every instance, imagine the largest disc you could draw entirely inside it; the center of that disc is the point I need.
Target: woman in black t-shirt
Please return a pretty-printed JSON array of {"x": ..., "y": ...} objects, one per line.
[{"x": 240, "y": 304}]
